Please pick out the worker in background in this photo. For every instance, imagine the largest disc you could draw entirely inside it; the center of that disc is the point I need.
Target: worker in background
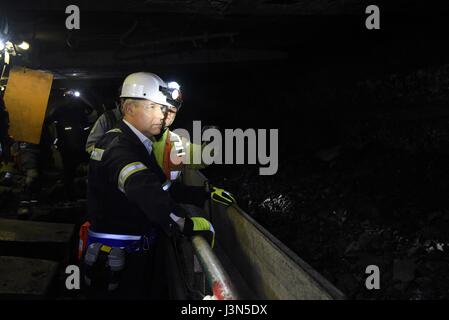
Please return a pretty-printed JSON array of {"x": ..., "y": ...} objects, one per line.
[
  {"x": 28, "y": 155},
  {"x": 129, "y": 204},
  {"x": 70, "y": 129},
  {"x": 104, "y": 123},
  {"x": 163, "y": 145},
  {"x": 6, "y": 165},
  {"x": 28, "y": 161}
]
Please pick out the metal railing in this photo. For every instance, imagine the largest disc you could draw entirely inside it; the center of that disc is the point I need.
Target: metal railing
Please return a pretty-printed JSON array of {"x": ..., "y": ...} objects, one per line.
[{"x": 217, "y": 278}]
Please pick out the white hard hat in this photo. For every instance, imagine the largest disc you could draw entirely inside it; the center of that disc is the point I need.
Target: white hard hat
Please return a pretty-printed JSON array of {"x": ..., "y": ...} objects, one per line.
[{"x": 145, "y": 85}]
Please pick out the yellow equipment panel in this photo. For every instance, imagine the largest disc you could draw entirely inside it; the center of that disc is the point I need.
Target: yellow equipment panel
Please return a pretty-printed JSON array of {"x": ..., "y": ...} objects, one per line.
[{"x": 26, "y": 99}]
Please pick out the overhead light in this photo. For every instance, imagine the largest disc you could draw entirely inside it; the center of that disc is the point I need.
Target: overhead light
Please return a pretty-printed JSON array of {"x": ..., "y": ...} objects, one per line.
[
  {"x": 71, "y": 93},
  {"x": 24, "y": 45}
]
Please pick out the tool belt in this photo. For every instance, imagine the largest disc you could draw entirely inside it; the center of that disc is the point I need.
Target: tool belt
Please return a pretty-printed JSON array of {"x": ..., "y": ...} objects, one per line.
[
  {"x": 130, "y": 243},
  {"x": 105, "y": 256}
]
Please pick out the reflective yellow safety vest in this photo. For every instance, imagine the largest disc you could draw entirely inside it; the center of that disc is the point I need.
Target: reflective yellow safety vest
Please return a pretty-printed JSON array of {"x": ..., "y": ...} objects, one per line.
[{"x": 172, "y": 143}]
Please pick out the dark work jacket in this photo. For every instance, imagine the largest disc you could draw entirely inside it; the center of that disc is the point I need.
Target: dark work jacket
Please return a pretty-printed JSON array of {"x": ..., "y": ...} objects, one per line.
[
  {"x": 4, "y": 120},
  {"x": 143, "y": 204},
  {"x": 71, "y": 123}
]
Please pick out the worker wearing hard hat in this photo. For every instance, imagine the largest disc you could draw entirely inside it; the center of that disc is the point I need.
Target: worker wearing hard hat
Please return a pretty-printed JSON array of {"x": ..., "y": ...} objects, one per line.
[
  {"x": 104, "y": 123},
  {"x": 164, "y": 145},
  {"x": 6, "y": 165},
  {"x": 128, "y": 200}
]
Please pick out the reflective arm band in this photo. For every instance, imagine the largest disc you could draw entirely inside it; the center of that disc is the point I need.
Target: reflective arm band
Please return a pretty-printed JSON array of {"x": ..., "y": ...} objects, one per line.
[
  {"x": 127, "y": 171},
  {"x": 90, "y": 148},
  {"x": 96, "y": 154}
]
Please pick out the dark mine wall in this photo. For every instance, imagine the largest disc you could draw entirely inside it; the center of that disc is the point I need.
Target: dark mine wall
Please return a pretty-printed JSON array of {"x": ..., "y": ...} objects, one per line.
[{"x": 363, "y": 175}]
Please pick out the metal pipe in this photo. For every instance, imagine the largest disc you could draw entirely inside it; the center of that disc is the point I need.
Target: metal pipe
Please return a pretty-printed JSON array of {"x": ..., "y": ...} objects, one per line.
[{"x": 217, "y": 277}]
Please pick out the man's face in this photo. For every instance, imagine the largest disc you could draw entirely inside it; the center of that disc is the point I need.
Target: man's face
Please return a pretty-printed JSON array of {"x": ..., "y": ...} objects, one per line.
[
  {"x": 146, "y": 116},
  {"x": 170, "y": 115}
]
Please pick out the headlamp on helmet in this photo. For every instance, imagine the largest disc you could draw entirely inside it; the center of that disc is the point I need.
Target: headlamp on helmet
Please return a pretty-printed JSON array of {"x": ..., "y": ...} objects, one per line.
[{"x": 173, "y": 94}]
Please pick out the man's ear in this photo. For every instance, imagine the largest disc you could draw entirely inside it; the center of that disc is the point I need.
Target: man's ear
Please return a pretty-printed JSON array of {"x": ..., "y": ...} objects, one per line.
[{"x": 128, "y": 107}]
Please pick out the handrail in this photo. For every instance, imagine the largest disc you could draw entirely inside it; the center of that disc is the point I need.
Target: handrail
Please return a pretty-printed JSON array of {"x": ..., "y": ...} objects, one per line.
[
  {"x": 216, "y": 276},
  {"x": 268, "y": 268}
]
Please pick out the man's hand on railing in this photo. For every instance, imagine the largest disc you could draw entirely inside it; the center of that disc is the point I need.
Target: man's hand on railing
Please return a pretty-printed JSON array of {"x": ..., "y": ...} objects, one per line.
[
  {"x": 222, "y": 196},
  {"x": 199, "y": 226}
]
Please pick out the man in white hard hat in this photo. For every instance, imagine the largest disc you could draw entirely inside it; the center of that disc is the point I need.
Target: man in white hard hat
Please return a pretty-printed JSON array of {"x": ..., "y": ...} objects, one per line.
[
  {"x": 163, "y": 146},
  {"x": 128, "y": 202}
]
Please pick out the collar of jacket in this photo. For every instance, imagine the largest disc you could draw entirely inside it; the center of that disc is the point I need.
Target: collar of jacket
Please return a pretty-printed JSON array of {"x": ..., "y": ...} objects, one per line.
[{"x": 130, "y": 136}]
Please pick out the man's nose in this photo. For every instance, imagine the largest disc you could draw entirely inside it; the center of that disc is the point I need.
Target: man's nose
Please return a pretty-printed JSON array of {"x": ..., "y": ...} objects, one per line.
[{"x": 160, "y": 113}]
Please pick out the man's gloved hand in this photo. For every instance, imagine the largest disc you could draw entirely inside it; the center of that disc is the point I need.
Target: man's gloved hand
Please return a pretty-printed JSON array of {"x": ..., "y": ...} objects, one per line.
[
  {"x": 222, "y": 196},
  {"x": 199, "y": 226}
]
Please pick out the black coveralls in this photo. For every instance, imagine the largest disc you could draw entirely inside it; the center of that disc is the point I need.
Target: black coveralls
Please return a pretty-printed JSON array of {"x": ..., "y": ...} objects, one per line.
[
  {"x": 70, "y": 122},
  {"x": 5, "y": 140},
  {"x": 125, "y": 196}
]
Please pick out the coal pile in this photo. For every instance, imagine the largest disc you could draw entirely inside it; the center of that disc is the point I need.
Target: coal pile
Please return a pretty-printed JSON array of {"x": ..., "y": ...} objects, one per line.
[{"x": 378, "y": 198}]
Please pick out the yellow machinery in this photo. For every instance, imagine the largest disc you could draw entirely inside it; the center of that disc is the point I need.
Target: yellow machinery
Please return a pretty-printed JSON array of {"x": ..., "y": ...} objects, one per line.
[{"x": 26, "y": 99}]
